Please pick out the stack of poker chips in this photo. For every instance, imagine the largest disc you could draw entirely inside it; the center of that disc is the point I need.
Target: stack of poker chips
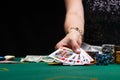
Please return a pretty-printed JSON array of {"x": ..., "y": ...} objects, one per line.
[
  {"x": 109, "y": 48},
  {"x": 107, "y": 55},
  {"x": 103, "y": 59},
  {"x": 117, "y": 56}
]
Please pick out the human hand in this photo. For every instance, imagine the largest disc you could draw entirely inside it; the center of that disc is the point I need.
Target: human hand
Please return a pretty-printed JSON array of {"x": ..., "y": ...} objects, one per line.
[{"x": 72, "y": 40}]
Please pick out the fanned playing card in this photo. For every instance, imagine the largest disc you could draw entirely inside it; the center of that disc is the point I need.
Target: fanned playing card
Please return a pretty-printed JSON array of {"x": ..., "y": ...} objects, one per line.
[
  {"x": 72, "y": 59},
  {"x": 62, "y": 54},
  {"x": 68, "y": 57},
  {"x": 86, "y": 58}
]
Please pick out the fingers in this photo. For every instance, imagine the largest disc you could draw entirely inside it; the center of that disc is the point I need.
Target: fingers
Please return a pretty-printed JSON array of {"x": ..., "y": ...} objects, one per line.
[
  {"x": 75, "y": 47},
  {"x": 60, "y": 44},
  {"x": 70, "y": 41}
]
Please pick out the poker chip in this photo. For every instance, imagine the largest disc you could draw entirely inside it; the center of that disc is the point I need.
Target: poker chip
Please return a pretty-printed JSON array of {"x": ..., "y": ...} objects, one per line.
[
  {"x": 2, "y": 58},
  {"x": 54, "y": 63},
  {"x": 9, "y": 57}
]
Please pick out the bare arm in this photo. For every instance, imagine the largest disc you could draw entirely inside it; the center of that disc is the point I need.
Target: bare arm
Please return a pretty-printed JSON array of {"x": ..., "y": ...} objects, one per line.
[
  {"x": 74, "y": 15},
  {"x": 74, "y": 25}
]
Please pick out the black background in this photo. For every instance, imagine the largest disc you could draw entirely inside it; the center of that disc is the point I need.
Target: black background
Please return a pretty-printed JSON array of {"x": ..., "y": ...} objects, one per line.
[
  {"x": 34, "y": 27},
  {"x": 31, "y": 27}
]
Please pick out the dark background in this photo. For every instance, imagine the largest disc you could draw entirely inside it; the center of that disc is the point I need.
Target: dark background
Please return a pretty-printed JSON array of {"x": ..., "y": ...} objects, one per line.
[
  {"x": 34, "y": 27},
  {"x": 31, "y": 27}
]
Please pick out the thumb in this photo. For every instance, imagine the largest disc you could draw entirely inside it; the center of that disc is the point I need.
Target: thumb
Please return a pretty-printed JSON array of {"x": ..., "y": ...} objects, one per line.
[
  {"x": 75, "y": 47},
  {"x": 77, "y": 50}
]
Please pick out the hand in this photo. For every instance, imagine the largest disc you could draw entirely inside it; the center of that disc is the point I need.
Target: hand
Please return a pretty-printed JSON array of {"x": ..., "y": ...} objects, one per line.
[{"x": 72, "y": 40}]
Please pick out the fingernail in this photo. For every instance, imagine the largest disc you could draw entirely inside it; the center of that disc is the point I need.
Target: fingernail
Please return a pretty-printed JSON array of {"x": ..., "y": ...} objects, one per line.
[{"x": 78, "y": 50}]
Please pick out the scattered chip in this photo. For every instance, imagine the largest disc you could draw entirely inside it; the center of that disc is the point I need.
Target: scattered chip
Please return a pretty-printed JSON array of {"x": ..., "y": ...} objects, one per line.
[
  {"x": 9, "y": 57},
  {"x": 54, "y": 63}
]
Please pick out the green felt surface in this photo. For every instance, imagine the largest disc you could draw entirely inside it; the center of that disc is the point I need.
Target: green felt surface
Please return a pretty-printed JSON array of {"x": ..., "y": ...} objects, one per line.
[{"x": 43, "y": 71}]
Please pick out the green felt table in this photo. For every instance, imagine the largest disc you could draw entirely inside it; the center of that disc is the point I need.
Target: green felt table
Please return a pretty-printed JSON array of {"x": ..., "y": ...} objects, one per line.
[{"x": 43, "y": 71}]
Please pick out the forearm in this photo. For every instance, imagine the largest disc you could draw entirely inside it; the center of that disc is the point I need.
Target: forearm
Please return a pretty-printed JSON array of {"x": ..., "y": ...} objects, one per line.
[
  {"x": 74, "y": 20},
  {"x": 74, "y": 17}
]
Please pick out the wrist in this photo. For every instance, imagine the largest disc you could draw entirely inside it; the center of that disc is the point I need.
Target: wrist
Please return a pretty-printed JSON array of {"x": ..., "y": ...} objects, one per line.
[{"x": 77, "y": 29}]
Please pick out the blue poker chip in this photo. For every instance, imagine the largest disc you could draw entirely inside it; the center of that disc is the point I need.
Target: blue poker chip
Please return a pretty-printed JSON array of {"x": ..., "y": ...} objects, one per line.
[{"x": 2, "y": 58}]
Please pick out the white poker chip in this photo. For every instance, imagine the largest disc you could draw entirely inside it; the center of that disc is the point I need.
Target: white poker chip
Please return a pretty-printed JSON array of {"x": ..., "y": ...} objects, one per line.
[{"x": 9, "y": 57}]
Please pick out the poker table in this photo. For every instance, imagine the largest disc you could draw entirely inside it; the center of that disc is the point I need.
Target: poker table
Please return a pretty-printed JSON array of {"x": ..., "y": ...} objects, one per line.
[{"x": 44, "y": 71}]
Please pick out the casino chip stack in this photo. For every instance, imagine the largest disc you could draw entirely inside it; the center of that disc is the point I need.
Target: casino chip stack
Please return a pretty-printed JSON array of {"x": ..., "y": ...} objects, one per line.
[
  {"x": 106, "y": 57},
  {"x": 102, "y": 59}
]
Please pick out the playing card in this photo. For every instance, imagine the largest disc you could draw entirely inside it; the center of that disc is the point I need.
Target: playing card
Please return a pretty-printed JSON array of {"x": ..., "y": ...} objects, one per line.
[
  {"x": 62, "y": 54},
  {"x": 78, "y": 60},
  {"x": 68, "y": 57},
  {"x": 72, "y": 59},
  {"x": 85, "y": 57},
  {"x": 75, "y": 59}
]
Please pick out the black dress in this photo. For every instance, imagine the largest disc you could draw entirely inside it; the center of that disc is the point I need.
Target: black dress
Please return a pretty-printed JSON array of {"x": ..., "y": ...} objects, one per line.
[{"x": 102, "y": 22}]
